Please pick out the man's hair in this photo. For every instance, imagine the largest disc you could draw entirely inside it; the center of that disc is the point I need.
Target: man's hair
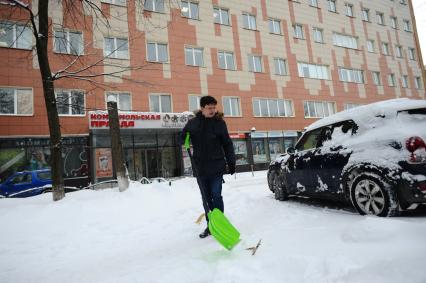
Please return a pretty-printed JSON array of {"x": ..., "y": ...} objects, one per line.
[{"x": 206, "y": 100}]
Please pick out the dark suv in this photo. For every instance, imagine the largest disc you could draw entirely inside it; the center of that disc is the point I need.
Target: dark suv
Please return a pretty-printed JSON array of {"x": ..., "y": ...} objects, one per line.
[{"x": 373, "y": 156}]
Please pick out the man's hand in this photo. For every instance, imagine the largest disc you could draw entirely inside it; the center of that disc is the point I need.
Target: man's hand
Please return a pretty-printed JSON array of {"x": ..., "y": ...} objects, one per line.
[{"x": 231, "y": 169}]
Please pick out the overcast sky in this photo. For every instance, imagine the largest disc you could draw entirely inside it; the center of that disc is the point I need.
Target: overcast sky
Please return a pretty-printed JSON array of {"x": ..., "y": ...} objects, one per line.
[{"x": 420, "y": 13}]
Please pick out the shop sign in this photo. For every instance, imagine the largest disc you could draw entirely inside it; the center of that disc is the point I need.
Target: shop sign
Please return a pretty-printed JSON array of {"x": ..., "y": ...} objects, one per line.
[
  {"x": 276, "y": 134},
  {"x": 103, "y": 162},
  {"x": 139, "y": 120},
  {"x": 237, "y": 136},
  {"x": 259, "y": 135},
  {"x": 290, "y": 133}
]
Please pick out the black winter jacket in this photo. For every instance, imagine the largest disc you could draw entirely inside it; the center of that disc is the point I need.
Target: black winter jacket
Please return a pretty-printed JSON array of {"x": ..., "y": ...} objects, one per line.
[{"x": 211, "y": 144}]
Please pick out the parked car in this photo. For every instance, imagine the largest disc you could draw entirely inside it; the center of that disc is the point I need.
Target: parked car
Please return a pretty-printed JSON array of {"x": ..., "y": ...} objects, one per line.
[
  {"x": 27, "y": 183},
  {"x": 372, "y": 156}
]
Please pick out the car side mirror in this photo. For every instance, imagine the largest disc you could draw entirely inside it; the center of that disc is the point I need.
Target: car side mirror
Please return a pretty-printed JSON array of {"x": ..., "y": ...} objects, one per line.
[{"x": 290, "y": 150}]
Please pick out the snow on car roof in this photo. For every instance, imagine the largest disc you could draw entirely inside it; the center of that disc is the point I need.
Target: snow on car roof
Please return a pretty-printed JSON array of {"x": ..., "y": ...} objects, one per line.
[{"x": 362, "y": 115}]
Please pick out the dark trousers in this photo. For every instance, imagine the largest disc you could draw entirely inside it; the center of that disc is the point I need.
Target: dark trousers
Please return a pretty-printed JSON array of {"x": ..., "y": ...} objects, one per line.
[{"x": 212, "y": 186}]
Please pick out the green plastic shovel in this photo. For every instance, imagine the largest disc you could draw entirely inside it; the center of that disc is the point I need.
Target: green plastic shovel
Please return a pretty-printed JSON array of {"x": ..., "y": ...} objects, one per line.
[{"x": 220, "y": 227}]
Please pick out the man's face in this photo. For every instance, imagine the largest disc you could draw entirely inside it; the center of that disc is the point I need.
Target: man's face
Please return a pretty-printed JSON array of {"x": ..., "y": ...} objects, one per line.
[{"x": 209, "y": 110}]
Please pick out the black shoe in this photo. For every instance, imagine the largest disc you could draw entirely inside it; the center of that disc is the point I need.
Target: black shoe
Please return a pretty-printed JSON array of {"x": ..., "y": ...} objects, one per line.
[{"x": 205, "y": 233}]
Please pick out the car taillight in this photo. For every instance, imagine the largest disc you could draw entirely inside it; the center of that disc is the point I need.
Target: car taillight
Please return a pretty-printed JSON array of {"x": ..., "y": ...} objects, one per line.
[{"x": 413, "y": 144}]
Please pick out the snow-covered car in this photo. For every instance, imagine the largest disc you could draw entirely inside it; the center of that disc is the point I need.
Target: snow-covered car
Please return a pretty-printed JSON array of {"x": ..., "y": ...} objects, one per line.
[{"x": 372, "y": 156}]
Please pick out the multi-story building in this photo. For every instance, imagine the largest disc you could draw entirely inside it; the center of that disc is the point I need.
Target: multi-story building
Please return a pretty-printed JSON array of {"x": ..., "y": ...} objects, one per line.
[{"x": 274, "y": 66}]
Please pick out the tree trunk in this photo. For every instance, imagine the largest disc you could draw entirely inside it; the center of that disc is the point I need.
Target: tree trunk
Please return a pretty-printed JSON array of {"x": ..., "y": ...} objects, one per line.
[
  {"x": 50, "y": 101},
  {"x": 116, "y": 147}
]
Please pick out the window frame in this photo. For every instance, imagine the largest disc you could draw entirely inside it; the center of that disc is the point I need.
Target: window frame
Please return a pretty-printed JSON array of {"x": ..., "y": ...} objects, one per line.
[
  {"x": 407, "y": 25},
  {"x": 301, "y": 70},
  {"x": 15, "y": 101},
  {"x": 290, "y": 106},
  {"x": 391, "y": 80},
  {"x": 398, "y": 51},
  {"x": 220, "y": 9},
  {"x": 157, "y": 52},
  {"x": 283, "y": 72},
  {"x": 380, "y": 18},
  {"x": 68, "y": 42},
  {"x": 372, "y": 49},
  {"x": 377, "y": 78},
  {"x": 314, "y": 3},
  {"x": 198, "y": 98},
  {"x": 117, "y": 95},
  {"x": 249, "y": 17},
  {"x": 418, "y": 82},
  {"x": 296, "y": 28},
  {"x": 160, "y": 103},
  {"x": 225, "y": 56},
  {"x": 190, "y": 16},
  {"x": 116, "y": 49},
  {"x": 394, "y": 22},
  {"x": 332, "y": 6},
  {"x": 275, "y": 23},
  {"x": 15, "y": 37},
  {"x": 331, "y": 105},
  {"x": 254, "y": 70},
  {"x": 70, "y": 105},
  {"x": 349, "y": 10},
  {"x": 114, "y": 2},
  {"x": 352, "y": 75},
  {"x": 193, "y": 49},
  {"x": 365, "y": 15},
  {"x": 345, "y": 41},
  {"x": 412, "y": 53},
  {"x": 239, "y": 106},
  {"x": 315, "y": 31},
  {"x": 154, "y": 5},
  {"x": 404, "y": 81}
]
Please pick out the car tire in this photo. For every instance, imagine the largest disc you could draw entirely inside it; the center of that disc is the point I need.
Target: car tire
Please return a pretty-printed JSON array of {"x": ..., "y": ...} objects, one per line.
[
  {"x": 373, "y": 195},
  {"x": 280, "y": 191}
]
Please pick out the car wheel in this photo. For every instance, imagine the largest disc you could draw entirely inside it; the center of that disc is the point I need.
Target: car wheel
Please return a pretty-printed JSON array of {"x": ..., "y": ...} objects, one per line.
[
  {"x": 280, "y": 191},
  {"x": 371, "y": 194}
]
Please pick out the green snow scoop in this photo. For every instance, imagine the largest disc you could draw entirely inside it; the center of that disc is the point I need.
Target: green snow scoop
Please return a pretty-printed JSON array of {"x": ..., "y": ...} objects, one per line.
[{"x": 220, "y": 227}]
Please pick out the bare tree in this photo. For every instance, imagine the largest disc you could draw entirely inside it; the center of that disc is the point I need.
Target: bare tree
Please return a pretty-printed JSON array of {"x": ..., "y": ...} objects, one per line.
[{"x": 75, "y": 68}]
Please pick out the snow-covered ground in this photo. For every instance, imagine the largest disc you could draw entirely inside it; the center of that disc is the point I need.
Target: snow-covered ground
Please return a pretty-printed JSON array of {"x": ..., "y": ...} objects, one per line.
[{"x": 148, "y": 234}]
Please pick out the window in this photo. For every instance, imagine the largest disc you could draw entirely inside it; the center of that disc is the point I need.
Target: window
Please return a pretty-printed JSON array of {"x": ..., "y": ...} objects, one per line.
[
  {"x": 332, "y": 6},
  {"x": 418, "y": 82},
  {"x": 343, "y": 40},
  {"x": 370, "y": 46},
  {"x": 376, "y": 78},
  {"x": 318, "y": 35},
  {"x": 226, "y": 60},
  {"x": 255, "y": 63},
  {"x": 380, "y": 18},
  {"x": 194, "y": 56},
  {"x": 157, "y": 52},
  {"x": 313, "y": 3},
  {"x": 319, "y": 109},
  {"x": 231, "y": 106},
  {"x": 68, "y": 42},
  {"x": 404, "y": 81},
  {"x": 349, "y": 9},
  {"x": 407, "y": 25},
  {"x": 115, "y": 2},
  {"x": 312, "y": 71},
  {"x": 411, "y": 53},
  {"x": 160, "y": 103},
  {"x": 124, "y": 101},
  {"x": 70, "y": 102},
  {"x": 15, "y": 36},
  {"x": 365, "y": 15},
  {"x": 298, "y": 31},
  {"x": 351, "y": 75},
  {"x": 249, "y": 21},
  {"x": 385, "y": 48},
  {"x": 221, "y": 16},
  {"x": 190, "y": 10},
  {"x": 348, "y": 106},
  {"x": 16, "y": 101},
  {"x": 398, "y": 51},
  {"x": 116, "y": 47},
  {"x": 274, "y": 26},
  {"x": 280, "y": 66},
  {"x": 394, "y": 22},
  {"x": 403, "y": 2},
  {"x": 154, "y": 5},
  {"x": 264, "y": 107},
  {"x": 194, "y": 102},
  {"x": 391, "y": 80}
]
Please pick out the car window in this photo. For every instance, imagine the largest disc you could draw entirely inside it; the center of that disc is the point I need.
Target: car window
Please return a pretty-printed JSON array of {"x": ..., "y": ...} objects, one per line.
[
  {"x": 309, "y": 140},
  {"x": 44, "y": 175},
  {"x": 22, "y": 178},
  {"x": 418, "y": 114}
]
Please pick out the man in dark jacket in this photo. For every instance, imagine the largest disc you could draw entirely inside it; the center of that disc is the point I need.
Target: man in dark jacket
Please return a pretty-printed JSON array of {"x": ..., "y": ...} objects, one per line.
[{"x": 211, "y": 145}]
